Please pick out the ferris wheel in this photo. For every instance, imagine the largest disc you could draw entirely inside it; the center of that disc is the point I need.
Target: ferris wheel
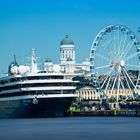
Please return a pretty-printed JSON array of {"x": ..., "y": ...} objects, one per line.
[{"x": 114, "y": 58}]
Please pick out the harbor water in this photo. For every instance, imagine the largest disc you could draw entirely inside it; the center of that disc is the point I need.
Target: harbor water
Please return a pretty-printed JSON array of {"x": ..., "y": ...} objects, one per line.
[{"x": 71, "y": 128}]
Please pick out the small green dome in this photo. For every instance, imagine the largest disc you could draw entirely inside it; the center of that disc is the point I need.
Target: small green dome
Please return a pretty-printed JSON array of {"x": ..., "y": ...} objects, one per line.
[
  {"x": 48, "y": 60},
  {"x": 86, "y": 60},
  {"x": 69, "y": 59},
  {"x": 67, "y": 41}
]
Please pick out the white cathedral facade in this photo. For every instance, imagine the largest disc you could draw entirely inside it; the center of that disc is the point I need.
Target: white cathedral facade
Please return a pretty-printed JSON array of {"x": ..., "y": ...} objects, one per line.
[{"x": 68, "y": 64}]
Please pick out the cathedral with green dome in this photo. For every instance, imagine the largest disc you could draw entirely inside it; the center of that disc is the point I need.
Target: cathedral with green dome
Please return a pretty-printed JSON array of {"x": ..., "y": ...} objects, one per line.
[{"x": 68, "y": 64}]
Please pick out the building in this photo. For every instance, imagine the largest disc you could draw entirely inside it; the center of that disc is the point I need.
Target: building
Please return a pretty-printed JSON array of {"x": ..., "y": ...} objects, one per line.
[
  {"x": 67, "y": 59},
  {"x": 88, "y": 93}
]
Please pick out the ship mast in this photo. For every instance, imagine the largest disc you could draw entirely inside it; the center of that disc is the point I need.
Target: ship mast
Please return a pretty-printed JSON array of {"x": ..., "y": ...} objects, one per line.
[
  {"x": 34, "y": 68},
  {"x": 15, "y": 61}
]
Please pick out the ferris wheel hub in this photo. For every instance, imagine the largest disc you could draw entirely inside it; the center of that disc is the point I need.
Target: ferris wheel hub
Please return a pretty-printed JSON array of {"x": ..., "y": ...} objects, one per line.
[{"x": 117, "y": 64}]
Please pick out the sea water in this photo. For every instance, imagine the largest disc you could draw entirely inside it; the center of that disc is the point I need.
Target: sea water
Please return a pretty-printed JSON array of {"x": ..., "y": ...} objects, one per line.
[{"x": 71, "y": 128}]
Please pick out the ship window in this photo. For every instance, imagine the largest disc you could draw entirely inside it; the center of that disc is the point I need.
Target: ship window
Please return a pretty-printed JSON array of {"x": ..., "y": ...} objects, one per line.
[
  {"x": 47, "y": 84},
  {"x": 14, "y": 79},
  {"x": 3, "y": 81},
  {"x": 42, "y": 77},
  {"x": 56, "y": 77}
]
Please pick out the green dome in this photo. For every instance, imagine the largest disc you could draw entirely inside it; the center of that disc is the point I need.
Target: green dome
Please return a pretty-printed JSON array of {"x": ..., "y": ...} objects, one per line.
[
  {"x": 67, "y": 41},
  {"x": 48, "y": 60}
]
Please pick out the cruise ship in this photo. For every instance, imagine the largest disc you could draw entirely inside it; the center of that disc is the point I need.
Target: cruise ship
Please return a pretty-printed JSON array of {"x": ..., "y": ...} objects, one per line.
[{"x": 28, "y": 92}]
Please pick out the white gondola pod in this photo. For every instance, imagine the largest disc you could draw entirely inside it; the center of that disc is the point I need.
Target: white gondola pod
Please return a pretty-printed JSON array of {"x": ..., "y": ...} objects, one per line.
[
  {"x": 14, "y": 70},
  {"x": 23, "y": 69}
]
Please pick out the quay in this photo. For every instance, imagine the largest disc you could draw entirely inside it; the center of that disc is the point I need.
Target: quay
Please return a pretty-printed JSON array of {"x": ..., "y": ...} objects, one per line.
[{"x": 125, "y": 113}]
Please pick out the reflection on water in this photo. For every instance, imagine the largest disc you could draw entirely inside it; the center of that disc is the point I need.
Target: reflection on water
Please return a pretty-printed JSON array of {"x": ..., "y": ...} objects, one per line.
[{"x": 71, "y": 128}]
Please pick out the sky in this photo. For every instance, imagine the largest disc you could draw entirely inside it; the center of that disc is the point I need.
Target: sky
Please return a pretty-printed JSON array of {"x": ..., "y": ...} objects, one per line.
[{"x": 42, "y": 24}]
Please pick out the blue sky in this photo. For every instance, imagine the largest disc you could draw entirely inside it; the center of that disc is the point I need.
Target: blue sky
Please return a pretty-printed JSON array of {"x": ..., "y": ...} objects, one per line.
[{"x": 42, "y": 24}]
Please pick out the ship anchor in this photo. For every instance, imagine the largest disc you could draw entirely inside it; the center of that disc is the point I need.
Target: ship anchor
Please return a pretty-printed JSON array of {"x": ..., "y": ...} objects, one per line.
[{"x": 35, "y": 100}]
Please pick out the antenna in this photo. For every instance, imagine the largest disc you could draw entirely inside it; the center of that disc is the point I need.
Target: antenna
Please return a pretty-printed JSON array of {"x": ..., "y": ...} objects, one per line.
[
  {"x": 14, "y": 58},
  {"x": 33, "y": 62},
  {"x": 15, "y": 61}
]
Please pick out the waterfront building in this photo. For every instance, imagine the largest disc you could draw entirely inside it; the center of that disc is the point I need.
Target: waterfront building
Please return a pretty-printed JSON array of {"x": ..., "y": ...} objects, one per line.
[
  {"x": 88, "y": 93},
  {"x": 123, "y": 93},
  {"x": 85, "y": 91}
]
